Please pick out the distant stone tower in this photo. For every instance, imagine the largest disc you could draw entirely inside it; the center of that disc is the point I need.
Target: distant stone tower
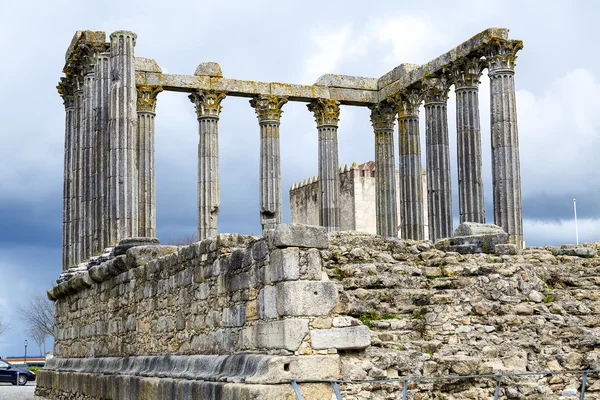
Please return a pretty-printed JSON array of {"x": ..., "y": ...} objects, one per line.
[{"x": 357, "y": 200}]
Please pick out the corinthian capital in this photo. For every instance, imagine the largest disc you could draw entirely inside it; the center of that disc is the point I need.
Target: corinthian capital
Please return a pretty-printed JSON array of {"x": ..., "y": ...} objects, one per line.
[
  {"x": 408, "y": 102},
  {"x": 208, "y": 102},
  {"x": 66, "y": 89},
  {"x": 268, "y": 107},
  {"x": 501, "y": 54},
  {"x": 326, "y": 111},
  {"x": 435, "y": 89},
  {"x": 383, "y": 115},
  {"x": 146, "y": 97},
  {"x": 466, "y": 72}
]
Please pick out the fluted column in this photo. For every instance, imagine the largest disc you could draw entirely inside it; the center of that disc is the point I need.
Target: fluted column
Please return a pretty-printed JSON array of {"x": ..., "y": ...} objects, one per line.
[
  {"x": 412, "y": 216},
  {"x": 122, "y": 173},
  {"x": 76, "y": 196},
  {"x": 65, "y": 88},
  {"x": 87, "y": 161},
  {"x": 268, "y": 111},
  {"x": 439, "y": 185},
  {"x": 208, "y": 108},
  {"x": 101, "y": 149},
  {"x": 466, "y": 76},
  {"x": 506, "y": 170},
  {"x": 146, "y": 111},
  {"x": 382, "y": 119},
  {"x": 327, "y": 115}
]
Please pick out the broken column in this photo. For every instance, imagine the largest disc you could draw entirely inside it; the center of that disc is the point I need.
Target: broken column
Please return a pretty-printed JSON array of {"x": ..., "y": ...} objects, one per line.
[
  {"x": 208, "y": 108},
  {"x": 268, "y": 111},
  {"x": 412, "y": 216},
  {"x": 466, "y": 75},
  {"x": 506, "y": 175},
  {"x": 146, "y": 111},
  {"x": 382, "y": 119},
  {"x": 122, "y": 173},
  {"x": 327, "y": 115},
  {"x": 439, "y": 185}
]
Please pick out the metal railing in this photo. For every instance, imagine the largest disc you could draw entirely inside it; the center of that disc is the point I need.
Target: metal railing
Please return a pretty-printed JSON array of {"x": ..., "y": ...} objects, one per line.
[{"x": 405, "y": 380}]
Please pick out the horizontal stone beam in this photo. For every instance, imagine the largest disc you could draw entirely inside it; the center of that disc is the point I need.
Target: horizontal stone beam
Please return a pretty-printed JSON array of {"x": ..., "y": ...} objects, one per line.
[
  {"x": 406, "y": 75},
  {"x": 242, "y": 88}
]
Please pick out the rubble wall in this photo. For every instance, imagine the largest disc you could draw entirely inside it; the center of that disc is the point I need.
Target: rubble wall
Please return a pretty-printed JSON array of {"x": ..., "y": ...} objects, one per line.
[{"x": 236, "y": 317}]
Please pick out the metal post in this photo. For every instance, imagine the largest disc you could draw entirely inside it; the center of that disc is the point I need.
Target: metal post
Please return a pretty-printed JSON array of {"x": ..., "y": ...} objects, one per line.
[
  {"x": 497, "y": 392},
  {"x": 405, "y": 390},
  {"x": 575, "y": 211},
  {"x": 583, "y": 383},
  {"x": 336, "y": 390},
  {"x": 297, "y": 389}
]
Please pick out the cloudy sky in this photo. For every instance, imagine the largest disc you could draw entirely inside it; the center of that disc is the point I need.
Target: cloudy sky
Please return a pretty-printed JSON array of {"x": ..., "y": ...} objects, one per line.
[{"x": 557, "y": 80}]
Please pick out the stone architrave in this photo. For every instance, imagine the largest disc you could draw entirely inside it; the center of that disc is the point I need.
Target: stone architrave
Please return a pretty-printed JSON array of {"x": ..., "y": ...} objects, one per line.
[
  {"x": 208, "y": 109},
  {"x": 66, "y": 90},
  {"x": 412, "y": 215},
  {"x": 506, "y": 170},
  {"x": 383, "y": 119},
  {"x": 466, "y": 74},
  {"x": 268, "y": 111},
  {"x": 439, "y": 185},
  {"x": 327, "y": 115},
  {"x": 101, "y": 149},
  {"x": 146, "y": 111},
  {"x": 123, "y": 172}
]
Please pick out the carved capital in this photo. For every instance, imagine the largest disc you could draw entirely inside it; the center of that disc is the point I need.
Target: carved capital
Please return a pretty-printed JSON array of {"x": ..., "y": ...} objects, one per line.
[
  {"x": 435, "y": 89},
  {"x": 326, "y": 111},
  {"x": 146, "y": 97},
  {"x": 208, "y": 102},
  {"x": 408, "y": 102},
  {"x": 467, "y": 71},
  {"x": 268, "y": 107},
  {"x": 383, "y": 115},
  {"x": 501, "y": 54},
  {"x": 66, "y": 89}
]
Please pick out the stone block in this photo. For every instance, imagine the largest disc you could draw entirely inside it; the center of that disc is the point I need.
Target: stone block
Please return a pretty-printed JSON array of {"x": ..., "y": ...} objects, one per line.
[
  {"x": 348, "y": 338},
  {"x": 128, "y": 243},
  {"x": 472, "y": 237},
  {"x": 347, "y": 81},
  {"x": 294, "y": 235},
  {"x": 280, "y": 369},
  {"x": 508, "y": 249},
  {"x": 284, "y": 264},
  {"x": 285, "y": 334},
  {"x": 267, "y": 303},
  {"x": 141, "y": 255},
  {"x": 234, "y": 316},
  {"x": 313, "y": 268},
  {"x": 474, "y": 228},
  {"x": 146, "y": 65},
  {"x": 311, "y": 298},
  {"x": 211, "y": 69},
  {"x": 584, "y": 252}
]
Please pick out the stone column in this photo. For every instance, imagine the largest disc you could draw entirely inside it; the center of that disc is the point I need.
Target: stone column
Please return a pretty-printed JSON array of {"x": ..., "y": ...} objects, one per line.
[
  {"x": 146, "y": 111},
  {"x": 122, "y": 173},
  {"x": 506, "y": 170},
  {"x": 466, "y": 75},
  {"x": 412, "y": 216},
  {"x": 76, "y": 197},
  {"x": 208, "y": 108},
  {"x": 268, "y": 111},
  {"x": 382, "y": 119},
  {"x": 87, "y": 160},
  {"x": 327, "y": 115},
  {"x": 101, "y": 148},
  {"x": 65, "y": 88},
  {"x": 439, "y": 185}
]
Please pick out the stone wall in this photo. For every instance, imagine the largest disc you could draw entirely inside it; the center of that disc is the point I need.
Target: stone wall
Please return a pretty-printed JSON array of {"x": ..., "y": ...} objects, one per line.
[{"x": 238, "y": 316}]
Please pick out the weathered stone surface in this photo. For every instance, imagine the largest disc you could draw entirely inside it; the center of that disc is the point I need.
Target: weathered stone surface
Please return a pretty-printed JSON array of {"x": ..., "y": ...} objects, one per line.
[
  {"x": 348, "y": 338},
  {"x": 507, "y": 249},
  {"x": 292, "y": 235},
  {"x": 129, "y": 243},
  {"x": 146, "y": 65},
  {"x": 284, "y": 264},
  {"x": 141, "y": 255},
  {"x": 285, "y": 334},
  {"x": 211, "y": 69},
  {"x": 474, "y": 228},
  {"x": 584, "y": 252},
  {"x": 306, "y": 298}
]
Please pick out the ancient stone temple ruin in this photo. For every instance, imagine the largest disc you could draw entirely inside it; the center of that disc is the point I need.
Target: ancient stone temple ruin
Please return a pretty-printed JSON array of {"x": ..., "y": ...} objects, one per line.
[{"x": 270, "y": 317}]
